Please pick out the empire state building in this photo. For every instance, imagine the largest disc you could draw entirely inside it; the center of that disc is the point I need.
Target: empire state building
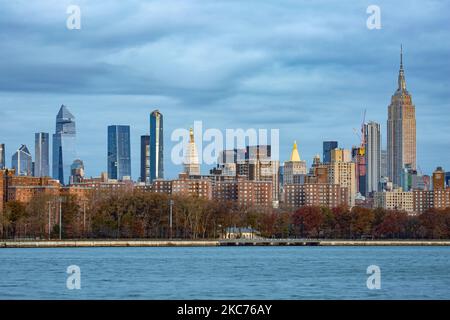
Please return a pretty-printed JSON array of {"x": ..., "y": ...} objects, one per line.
[{"x": 401, "y": 130}]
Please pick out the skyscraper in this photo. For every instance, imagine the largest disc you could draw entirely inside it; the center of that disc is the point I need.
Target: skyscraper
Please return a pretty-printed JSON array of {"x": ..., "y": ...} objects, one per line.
[
  {"x": 156, "y": 146},
  {"x": 191, "y": 163},
  {"x": 145, "y": 159},
  {"x": 401, "y": 130},
  {"x": 2, "y": 157},
  {"x": 383, "y": 169},
  {"x": 64, "y": 145},
  {"x": 295, "y": 168},
  {"x": 373, "y": 156},
  {"x": 22, "y": 161},
  {"x": 41, "y": 154},
  {"x": 119, "y": 152},
  {"x": 327, "y": 147}
]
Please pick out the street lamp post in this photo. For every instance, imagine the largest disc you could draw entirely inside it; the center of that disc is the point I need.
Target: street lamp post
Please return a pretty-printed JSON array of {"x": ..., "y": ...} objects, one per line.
[
  {"x": 60, "y": 218},
  {"x": 170, "y": 217},
  {"x": 49, "y": 222}
]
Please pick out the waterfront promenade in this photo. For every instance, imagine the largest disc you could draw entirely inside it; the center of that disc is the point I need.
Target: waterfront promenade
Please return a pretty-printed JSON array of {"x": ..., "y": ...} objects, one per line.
[{"x": 213, "y": 243}]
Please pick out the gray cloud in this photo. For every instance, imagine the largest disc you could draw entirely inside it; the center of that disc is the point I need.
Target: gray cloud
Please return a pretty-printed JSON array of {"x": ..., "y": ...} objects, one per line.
[{"x": 307, "y": 68}]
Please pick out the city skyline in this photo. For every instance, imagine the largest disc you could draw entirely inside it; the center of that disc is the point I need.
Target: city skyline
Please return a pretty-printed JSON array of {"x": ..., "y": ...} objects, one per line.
[{"x": 282, "y": 73}]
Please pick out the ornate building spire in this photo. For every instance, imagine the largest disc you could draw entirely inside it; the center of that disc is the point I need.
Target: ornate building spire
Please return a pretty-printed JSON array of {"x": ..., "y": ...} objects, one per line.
[
  {"x": 401, "y": 74},
  {"x": 294, "y": 155}
]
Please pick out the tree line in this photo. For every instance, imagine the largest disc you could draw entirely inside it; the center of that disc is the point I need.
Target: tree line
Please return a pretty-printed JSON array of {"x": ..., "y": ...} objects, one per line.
[{"x": 139, "y": 214}]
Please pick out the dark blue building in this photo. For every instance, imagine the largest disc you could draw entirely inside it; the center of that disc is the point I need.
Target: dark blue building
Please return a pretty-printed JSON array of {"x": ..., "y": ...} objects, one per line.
[
  {"x": 327, "y": 147},
  {"x": 119, "y": 152}
]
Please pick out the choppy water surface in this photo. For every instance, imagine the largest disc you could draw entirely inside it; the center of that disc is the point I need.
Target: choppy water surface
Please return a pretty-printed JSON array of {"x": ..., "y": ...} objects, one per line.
[{"x": 226, "y": 273}]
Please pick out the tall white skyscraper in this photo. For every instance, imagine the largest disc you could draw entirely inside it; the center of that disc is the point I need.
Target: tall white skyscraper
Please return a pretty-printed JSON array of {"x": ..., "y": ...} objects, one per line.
[
  {"x": 373, "y": 156},
  {"x": 41, "y": 154}
]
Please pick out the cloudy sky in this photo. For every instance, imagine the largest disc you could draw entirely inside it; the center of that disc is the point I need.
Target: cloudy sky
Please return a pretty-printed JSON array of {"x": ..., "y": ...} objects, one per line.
[{"x": 308, "y": 68}]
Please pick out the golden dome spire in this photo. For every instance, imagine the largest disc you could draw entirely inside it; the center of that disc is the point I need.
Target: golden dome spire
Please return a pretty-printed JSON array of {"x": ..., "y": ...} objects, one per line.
[
  {"x": 294, "y": 155},
  {"x": 191, "y": 135}
]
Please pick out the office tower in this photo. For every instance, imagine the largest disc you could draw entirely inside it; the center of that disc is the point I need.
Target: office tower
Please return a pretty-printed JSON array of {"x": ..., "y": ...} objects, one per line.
[
  {"x": 439, "y": 179},
  {"x": 191, "y": 163},
  {"x": 119, "y": 152},
  {"x": 64, "y": 145},
  {"x": 2, "y": 157},
  {"x": 342, "y": 171},
  {"x": 77, "y": 172},
  {"x": 383, "y": 165},
  {"x": 145, "y": 159},
  {"x": 372, "y": 156},
  {"x": 447, "y": 179},
  {"x": 327, "y": 147},
  {"x": 156, "y": 146},
  {"x": 22, "y": 161},
  {"x": 41, "y": 154},
  {"x": 401, "y": 130},
  {"x": 295, "y": 168}
]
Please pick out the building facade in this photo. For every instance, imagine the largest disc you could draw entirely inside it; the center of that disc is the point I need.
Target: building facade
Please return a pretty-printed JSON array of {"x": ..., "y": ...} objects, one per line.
[
  {"x": 156, "y": 145},
  {"x": 372, "y": 139},
  {"x": 41, "y": 154},
  {"x": 145, "y": 160},
  {"x": 119, "y": 152},
  {"x": 315, "y": 194},
  {"x": 64, "y": 145},
  {"x": 395, "y": 200},
  {"x": 401, "y": 130}
]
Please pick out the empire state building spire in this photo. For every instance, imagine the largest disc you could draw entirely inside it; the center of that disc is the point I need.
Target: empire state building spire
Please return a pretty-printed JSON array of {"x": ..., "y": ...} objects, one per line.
[
  {"x": 401, "y": 74},
  {"x": 401, "y": 130}
]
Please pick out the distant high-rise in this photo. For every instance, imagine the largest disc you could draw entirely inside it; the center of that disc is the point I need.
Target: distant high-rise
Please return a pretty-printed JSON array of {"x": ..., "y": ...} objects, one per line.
[
  {"x": 41, "y": 154},
  {"x": 373, "y": 156},
  {"x": 156, "y": 146},
  {"x": 383, "y": 168},
  {"x": 2, "y": 157},
  {"x": 327, "y": 147},
  {"x": 191, "y": 163},
  {"x": 145, "y": 159},
  {"x": 22, "y": 161},
  {"x": 439, "y": 179},
  {"x": 401, "y": 130},
  {"x": 64, "y": 145},
  {"x": 119, "y": 152}
]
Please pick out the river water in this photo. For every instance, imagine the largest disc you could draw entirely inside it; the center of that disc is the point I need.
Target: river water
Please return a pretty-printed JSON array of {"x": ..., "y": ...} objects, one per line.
[{"x": 226, "y": 273}]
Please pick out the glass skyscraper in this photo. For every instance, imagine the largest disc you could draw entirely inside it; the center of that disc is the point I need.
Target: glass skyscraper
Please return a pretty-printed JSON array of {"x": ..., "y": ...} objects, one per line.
[
  {"x": 22, "y": 162},
  {"x": 327, "y": 147},
  {"x": 373, "y": 156},
  {"x": 64, "y": 145},
  {"x": 2, "y": 157},
  {"x": 41, "y": 154},
  {"x": 119, "y": 152},
  {"x": 156, "y": 146}
]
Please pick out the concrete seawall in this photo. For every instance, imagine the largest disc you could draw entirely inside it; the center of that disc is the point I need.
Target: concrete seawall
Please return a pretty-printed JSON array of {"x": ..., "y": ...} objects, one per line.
[{"x": 215, "y": 243}]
